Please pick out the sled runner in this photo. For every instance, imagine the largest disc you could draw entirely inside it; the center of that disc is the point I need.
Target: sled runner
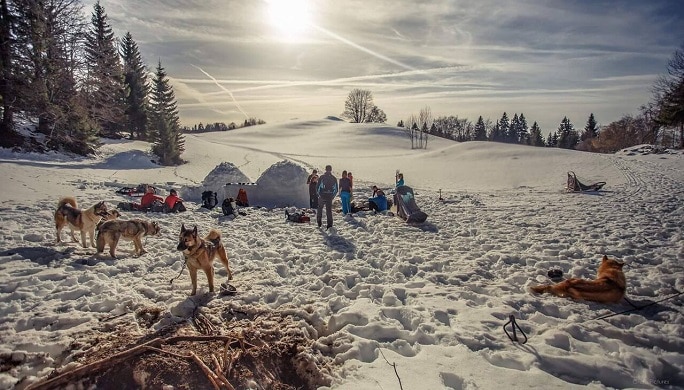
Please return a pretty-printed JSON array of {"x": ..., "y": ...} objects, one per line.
[
  {"x": 407, "y": 208},
  {"x": 574, "y": 185}
]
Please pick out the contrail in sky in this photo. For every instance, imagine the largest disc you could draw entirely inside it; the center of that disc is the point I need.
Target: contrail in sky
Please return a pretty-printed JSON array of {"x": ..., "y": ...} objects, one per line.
[
  {"x": 224, "y": 89},
  {"x": 363, "y": 49}
]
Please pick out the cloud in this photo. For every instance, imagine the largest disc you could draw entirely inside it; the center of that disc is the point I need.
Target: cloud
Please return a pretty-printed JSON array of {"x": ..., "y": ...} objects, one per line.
[{"x": 463, "y": 56}]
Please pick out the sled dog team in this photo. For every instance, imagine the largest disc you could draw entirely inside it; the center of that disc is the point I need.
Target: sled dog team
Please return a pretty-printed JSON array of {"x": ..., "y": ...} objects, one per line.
[
  {"x": 608, "y": 287},
  {"x": 199, "y": 252}
]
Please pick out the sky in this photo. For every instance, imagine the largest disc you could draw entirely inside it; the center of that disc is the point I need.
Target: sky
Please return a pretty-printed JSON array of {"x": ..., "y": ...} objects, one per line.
[
  {"x": 371, "y": 291},
  {"x": 279, "y": 60}
]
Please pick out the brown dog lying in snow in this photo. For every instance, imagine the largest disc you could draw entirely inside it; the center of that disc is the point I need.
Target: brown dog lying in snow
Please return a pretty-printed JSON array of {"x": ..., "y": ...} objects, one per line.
[{"x": 608, "y": 287}]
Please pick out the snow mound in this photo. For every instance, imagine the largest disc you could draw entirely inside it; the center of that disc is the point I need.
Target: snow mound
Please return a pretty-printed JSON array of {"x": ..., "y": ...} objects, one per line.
[
  {"x": 132, "y": 159},
  {"x": 646, "y": 149},
  {"x": 216, "y": 181},
  {"x": 281, "y": 185}
]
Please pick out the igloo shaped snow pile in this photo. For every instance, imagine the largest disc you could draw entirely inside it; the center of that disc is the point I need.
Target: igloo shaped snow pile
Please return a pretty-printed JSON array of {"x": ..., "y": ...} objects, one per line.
[
  {"x": 283, "y": 184},
  {"x": 216, "y": 181}
]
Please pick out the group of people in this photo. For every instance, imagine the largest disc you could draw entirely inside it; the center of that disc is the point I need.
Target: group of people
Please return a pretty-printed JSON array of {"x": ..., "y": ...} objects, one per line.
[
  {"x": 324, "y": 188},
  {"x": 171, "y": 204}
]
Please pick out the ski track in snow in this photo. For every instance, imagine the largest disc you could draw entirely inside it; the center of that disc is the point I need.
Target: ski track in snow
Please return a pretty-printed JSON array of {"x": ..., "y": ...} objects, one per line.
[{"x": 451, "y": 281}]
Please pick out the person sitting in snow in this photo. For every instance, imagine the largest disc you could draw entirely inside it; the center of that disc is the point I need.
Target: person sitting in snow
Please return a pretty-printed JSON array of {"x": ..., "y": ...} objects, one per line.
[
  {"x": 173, "y": 204},
  {"x": 379, "y": 201},
  {"x": 147, "y": 202}
]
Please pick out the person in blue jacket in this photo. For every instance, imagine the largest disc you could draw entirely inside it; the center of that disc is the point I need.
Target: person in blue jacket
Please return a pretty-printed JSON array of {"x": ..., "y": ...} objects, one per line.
[
  {"x": 327, "y": 190},
  {"x": 379, "y": 201},
  {"x": 400, "y": 179}
]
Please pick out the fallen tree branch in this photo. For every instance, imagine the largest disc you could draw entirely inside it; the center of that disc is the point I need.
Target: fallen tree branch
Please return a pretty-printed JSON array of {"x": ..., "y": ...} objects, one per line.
[
  {"x": 91, "y": 368},
  {"x": 219, "y": 373},
  {"x": 213, "y": 378}
]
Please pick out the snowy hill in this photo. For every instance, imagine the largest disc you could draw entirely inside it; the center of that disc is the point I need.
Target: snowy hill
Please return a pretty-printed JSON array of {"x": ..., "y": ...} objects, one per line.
[{"x": 431, "y": 298}]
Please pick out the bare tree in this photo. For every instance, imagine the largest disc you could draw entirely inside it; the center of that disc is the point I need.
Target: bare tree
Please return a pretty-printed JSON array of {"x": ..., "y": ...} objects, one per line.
[
  {"x": 358, "y": 105},
  {"x": 425, "y": 117},
  {"x": 412, "y": 128},
  {"x": 376, "y": 116},
  {"x": 425, "y": 122}
]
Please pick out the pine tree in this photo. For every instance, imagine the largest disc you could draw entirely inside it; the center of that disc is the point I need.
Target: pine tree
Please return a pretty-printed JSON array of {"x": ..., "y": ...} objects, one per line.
[
  {"x": 104, "y": 83},
  {"x": 495, "y": 134},
  {"x": 535, "y": 135},
  {"x": 514, "y": 130},
  {"x": 8, "y": 80},
  {"x": 169, "y": 142},
  {"x": 47, "y": 36},
  {"x": 523, "y": 133},
  {"x": 669, "y": 95},
  {"x": 567, "y": 136},
  {"x": 552, "y": 140},
  {"x": 504, "y": 128},
  {"x": 590, "y": 129},
  {"x": 136, "y": 88},
  {"x": 480, "y": 130}
]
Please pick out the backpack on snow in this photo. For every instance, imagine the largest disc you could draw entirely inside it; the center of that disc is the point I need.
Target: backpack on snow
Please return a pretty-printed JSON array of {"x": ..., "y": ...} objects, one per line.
[
  {"x": 209, "y": 199},
  {"x": 157, "y": 206},
  {"x": 297, "y": 216},
  {"x": 229, "y": 207},
  {"x": 242, "y": 200}
]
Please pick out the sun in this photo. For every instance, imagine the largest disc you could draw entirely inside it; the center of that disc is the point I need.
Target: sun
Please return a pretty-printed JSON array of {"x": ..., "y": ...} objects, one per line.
[{"x": 291, "y": 19}]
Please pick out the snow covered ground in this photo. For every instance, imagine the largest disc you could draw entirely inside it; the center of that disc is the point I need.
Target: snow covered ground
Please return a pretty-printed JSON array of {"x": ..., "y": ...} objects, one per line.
[{"x": 432, "y": 298}]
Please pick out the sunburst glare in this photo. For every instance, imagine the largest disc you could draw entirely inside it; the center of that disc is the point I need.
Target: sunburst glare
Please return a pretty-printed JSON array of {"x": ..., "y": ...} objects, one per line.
[{"x": 291, "y": 19}]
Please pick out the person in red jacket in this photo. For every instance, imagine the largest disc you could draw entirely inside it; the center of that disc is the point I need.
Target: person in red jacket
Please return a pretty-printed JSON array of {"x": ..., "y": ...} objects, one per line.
[
  {"x": 173, "y": 204},
  {"x": 148, "y": 199}
]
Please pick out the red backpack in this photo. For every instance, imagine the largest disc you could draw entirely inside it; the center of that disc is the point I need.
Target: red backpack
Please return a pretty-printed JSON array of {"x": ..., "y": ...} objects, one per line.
[{"x": 241, "y": 199}]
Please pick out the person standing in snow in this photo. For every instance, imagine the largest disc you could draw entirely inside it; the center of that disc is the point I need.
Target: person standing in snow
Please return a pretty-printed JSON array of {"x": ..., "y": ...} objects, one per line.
[
  {"x": 327, "y": 190},
  {"x": 345, "y": 193},
  {"x": 312, "y": 181}
]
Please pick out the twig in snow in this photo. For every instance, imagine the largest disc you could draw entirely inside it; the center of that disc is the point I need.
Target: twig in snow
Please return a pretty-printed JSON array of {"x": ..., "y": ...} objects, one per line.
[{"x": 394, "y": 365}]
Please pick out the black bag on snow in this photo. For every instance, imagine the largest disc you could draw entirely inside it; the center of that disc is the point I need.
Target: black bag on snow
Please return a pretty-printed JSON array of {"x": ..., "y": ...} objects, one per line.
[
  {"x": 209, "y": 199},
  {"x": 297, "y": 216},
  {"x": 229, "y": 207},
  {"x": 157, "y": 206}
]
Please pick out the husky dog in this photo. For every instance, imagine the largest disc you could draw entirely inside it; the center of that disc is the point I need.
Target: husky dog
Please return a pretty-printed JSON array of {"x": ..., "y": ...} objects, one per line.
[
  {"x": 68, "y": 214},
  {"x": 608, "y": 287},
  {"x": 200, "y": 254},
  {"x": 111, "y": 215},
  {"x": 135, "y": 229}
]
